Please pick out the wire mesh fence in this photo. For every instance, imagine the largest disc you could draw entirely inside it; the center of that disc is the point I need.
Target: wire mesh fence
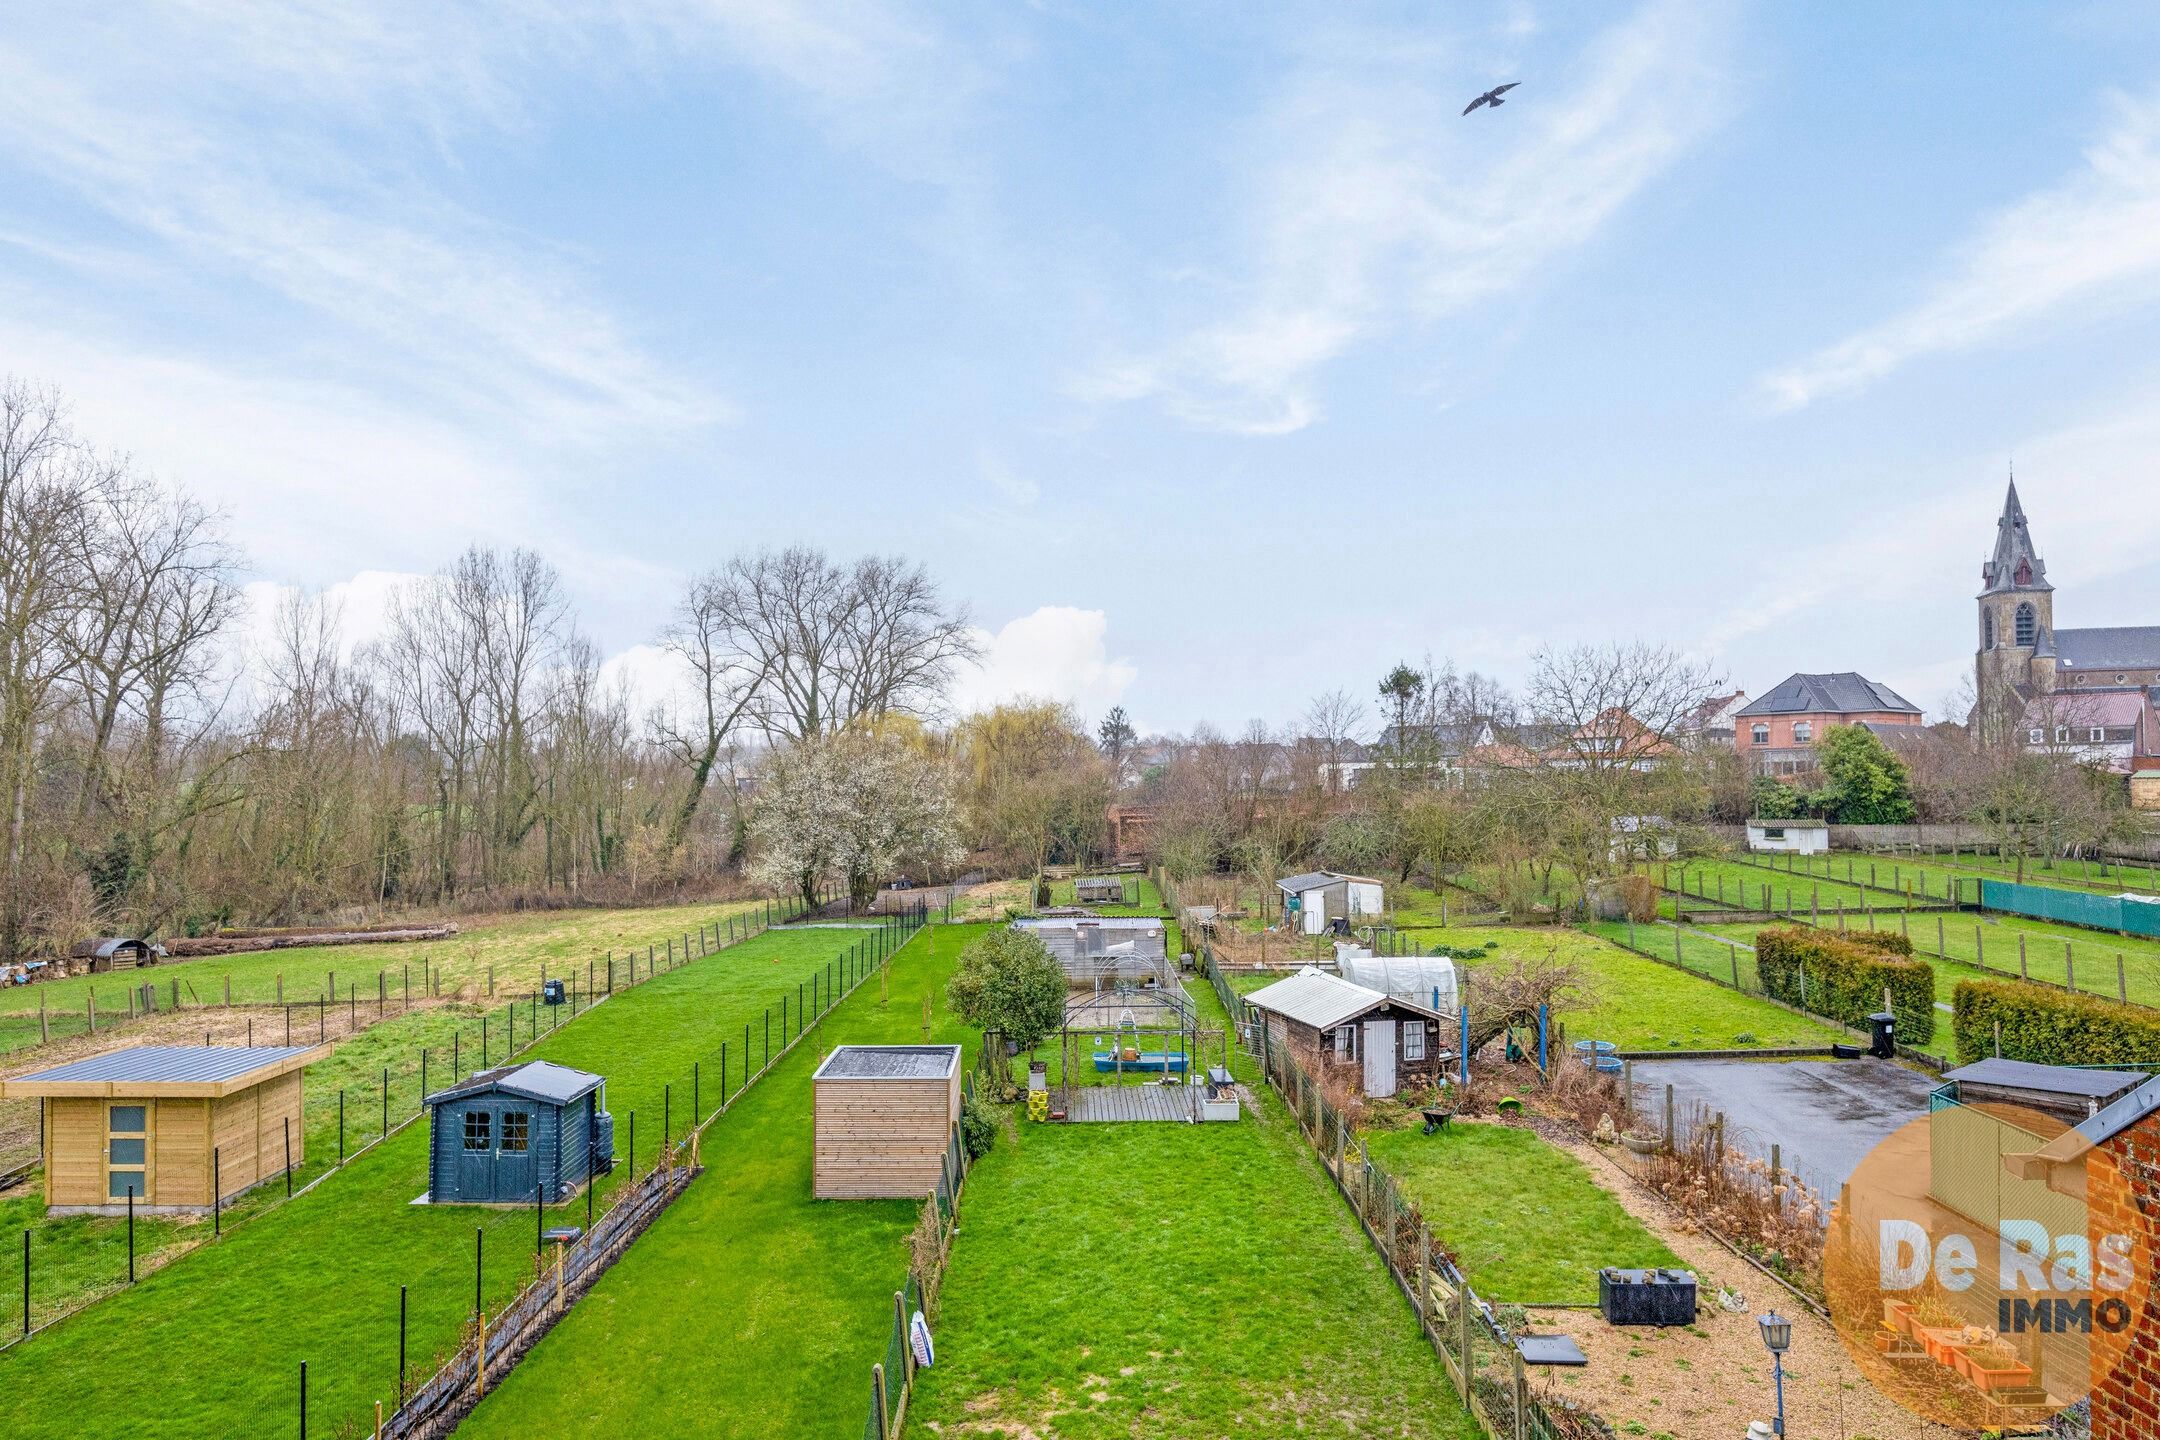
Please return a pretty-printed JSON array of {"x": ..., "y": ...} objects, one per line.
[
  {"x": 1477, "y": 1349},
  {"x": 892, "y": 1379},
  {"x": 688, "y": 1103},
  {"x": 352, "y": 1102}
]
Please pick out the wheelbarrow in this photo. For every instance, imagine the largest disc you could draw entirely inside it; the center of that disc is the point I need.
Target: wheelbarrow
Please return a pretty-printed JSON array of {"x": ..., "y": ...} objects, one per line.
[{"x": 1436, "y": 1120}]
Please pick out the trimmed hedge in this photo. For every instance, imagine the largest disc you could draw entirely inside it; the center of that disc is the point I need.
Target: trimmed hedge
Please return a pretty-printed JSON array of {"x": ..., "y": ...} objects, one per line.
[
  {"x": 1843, "y": 977},
  {"x": 2051, "y": 1027}
]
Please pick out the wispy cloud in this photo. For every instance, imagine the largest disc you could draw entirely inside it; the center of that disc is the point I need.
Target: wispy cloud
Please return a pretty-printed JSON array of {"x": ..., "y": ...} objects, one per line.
[
  {"x": 2090, "y": 240},
  {"x": 1386, "y": 206}
]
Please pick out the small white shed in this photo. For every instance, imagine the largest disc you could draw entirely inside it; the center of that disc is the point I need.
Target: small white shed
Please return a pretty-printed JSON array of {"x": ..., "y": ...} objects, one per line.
[
  {"x": 1318, "y": 897},
  {"x": 1798, "y": 837}
]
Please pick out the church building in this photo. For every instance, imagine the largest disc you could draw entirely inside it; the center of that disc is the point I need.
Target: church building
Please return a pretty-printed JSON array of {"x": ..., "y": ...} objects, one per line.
[{"x": 2092, "y": 693}]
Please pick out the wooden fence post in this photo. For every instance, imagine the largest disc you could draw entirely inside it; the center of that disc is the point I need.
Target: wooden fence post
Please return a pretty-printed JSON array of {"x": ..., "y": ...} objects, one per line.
[{"x": 877, "y": 1395}]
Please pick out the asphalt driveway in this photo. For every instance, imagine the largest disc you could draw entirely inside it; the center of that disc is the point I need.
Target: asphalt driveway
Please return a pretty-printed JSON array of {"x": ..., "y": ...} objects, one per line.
[{"x": 1826, "y": 1115}]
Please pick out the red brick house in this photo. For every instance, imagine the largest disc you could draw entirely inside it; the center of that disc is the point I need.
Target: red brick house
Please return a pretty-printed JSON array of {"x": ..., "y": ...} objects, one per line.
[{"x": 1778, "y": 731}]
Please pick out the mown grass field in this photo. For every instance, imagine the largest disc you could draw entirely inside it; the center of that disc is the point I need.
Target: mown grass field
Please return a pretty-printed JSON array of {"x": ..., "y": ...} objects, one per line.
[
  {"x": 318, "y": 1280},
  {"x": 749, "y": 1308},
  {"x": 1104, "y": 1284},
  {"x": 1524, "y": 1218},
  {"x": 1635, "y": 1002},
  {"x": 2100, "y": 877},
  {"x": 516, "y": 949}
]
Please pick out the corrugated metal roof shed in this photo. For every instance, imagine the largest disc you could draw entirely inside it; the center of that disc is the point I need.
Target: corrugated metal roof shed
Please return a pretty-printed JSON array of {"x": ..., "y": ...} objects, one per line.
[
  {"x": 1323, "y": 1001},
  {"x": 166, "y": 1069},
  {"x": 890, "y": 1062}
]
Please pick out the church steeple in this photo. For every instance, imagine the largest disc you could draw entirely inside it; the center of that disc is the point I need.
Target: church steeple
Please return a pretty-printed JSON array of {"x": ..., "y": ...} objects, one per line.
[{"x": 2016, "y": 565}]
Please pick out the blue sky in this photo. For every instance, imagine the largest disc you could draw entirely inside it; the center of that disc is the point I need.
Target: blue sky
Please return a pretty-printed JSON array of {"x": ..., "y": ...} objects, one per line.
[{"x": 1205, "y": 351}]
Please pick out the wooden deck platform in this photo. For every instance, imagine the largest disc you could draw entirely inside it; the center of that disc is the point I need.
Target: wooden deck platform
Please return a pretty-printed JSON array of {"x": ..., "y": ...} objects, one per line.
[{"x": 1096, "y": 1104}]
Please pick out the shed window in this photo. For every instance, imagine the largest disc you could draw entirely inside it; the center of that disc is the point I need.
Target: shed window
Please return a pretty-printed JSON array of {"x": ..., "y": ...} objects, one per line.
[
  {"x": 1413, "y": 1040},
  {"x": 476, "y": 1130},
  {"x": 125, "y": 1151},
  {"x": 1346, "y": 1042},
  {"x": 124, "y": 1183},
  {"x": 516, "y": 1128},
  {"x": 126, "y": 1120},
  {"x": 1773, "y": 832}
]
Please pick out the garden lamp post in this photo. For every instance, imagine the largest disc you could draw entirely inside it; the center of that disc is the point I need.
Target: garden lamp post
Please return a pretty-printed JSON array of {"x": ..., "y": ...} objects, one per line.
[{"x": 1777, "y": 1339}]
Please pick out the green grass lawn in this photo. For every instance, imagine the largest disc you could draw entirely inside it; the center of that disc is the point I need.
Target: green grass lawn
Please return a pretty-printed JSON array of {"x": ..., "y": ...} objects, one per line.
[
  {"x": 515, "y": 948},
  {"x": 1635, "y": 1002},
  {"x": 1144, "y": 898},
  {"x": 1743, "y": 885},
  {"x": 1525, "y": 1218},
  {"x": 749, "y": 1308},
  {"x": 2094, "y": 876},
  {"x": 1128, "y": 1280},
  {"x": 318, "y": 1279}
]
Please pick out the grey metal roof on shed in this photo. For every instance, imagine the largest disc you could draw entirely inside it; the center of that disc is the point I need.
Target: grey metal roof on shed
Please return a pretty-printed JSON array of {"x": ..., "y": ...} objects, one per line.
[
  {"x": 1323, "y": 1001},
  {"x": 2128, "y": 647},
  {"x": 2045, "y": 1079},
  {"x": 541, "y": 1080},
  {"x": 166, "y": 1064},
  {"x": 1843, "y": 692},
  {"x": 1318, "y": 879},
  {"x": 890, "y": 1062}
]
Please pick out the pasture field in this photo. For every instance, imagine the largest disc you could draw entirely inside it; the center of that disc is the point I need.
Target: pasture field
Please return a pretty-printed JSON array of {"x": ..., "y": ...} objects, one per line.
[
  {"x": 319, "y": 1281},
  {"x": 1100, "y": 1286},
  {"x": 1743, "y": 885},
  {"x": 1525, "y": 1219},
  {"x": 749, "y": 1308},
  {"x": 515, "y": 949}
]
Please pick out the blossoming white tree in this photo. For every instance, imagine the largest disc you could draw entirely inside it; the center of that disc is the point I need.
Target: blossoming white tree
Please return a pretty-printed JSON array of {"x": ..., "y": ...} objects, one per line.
[{"x": 862, "y": 804}]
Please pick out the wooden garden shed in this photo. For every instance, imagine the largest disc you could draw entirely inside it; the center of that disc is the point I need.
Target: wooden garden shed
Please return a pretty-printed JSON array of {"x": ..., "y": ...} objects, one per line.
[
  {"x": 885, "y": 1115},
  {"x": 162, "y": 1121},
  {"x": 499, "y": 1135}
]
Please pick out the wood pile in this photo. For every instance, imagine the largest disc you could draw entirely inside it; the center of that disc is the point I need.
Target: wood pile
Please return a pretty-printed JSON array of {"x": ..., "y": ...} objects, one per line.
[{"x": 238, "y": 942}]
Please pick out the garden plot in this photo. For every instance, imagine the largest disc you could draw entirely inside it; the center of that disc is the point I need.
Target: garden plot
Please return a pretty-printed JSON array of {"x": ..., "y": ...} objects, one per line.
[
  {"x": 1172, "y": 1281},
  {"x": 513, "y": 950},
  {"x": 319, "y": 1281},
  {"x": 1525, "y": 1219},
  {"x": 749, "y": 1308}
]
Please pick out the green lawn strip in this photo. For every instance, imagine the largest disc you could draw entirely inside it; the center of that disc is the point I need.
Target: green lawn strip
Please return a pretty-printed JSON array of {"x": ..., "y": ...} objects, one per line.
[
  {"x": 318, "y": 1281},
  {"x": 749, "y": 1308},
  {"x": 516, "y": 947},
  {"x": 343, "y": 1112},
  {"x": 2097, "y": 877},
  {"x": 1101, "y": 1287},
  {"x": 1749, "y": 886},
  {"x": 1524, "y": 1218}
]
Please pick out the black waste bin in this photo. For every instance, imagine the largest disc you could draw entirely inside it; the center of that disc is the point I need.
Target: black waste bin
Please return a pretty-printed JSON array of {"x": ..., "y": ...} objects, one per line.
[
  {"x": 1882, "y": 1029},
  {"x": 552, "y": 992}
]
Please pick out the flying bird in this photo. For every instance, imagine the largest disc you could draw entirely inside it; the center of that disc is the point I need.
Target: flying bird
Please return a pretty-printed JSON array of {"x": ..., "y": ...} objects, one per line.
[{"x": 1492, "y": 96}]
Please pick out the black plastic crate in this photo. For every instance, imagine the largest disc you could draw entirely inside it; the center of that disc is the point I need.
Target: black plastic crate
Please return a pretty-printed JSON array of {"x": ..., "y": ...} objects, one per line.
[{"x": 1646, "y": 1297}]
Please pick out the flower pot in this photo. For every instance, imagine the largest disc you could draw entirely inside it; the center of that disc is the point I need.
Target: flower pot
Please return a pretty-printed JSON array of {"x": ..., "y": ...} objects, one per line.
[
  {"x": 1643, "y": 1144},
  {"x": 1897, "y": 1314},
  {"x": 2007, "y": 1377}
]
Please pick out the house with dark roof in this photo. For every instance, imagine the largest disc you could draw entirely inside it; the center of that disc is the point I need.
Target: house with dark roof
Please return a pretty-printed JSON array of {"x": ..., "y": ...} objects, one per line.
[{"x": 1779, "y": 730}]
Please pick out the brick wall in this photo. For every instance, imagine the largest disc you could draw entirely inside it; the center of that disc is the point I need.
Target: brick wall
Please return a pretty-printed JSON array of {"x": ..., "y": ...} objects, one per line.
[{"x": 2126, "y": 1403}]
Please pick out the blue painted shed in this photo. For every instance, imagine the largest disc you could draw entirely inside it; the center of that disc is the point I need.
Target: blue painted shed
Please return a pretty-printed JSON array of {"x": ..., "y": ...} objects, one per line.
[{"x": 499, "y": 1133}]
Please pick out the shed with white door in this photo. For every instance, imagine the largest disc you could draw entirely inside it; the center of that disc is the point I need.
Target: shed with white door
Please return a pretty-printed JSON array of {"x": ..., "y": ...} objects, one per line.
[
  {"x": 1316, "y": 899},
  {"x": 1391, "y": 1040},
  {"x": 1798, "y": 837}
]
